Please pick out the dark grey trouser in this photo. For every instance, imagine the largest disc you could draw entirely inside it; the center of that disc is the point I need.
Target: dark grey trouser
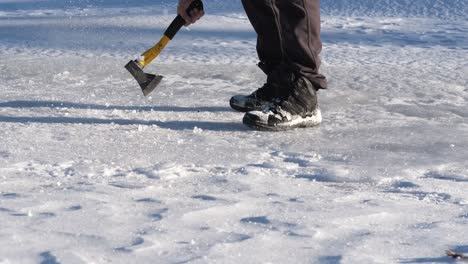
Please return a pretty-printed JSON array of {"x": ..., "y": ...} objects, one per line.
[{"x": 288, "y": 36}]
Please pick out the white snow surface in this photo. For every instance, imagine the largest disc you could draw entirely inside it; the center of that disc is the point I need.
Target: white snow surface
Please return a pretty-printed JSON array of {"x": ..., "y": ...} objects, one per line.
[{"x": 93, "y": 172}]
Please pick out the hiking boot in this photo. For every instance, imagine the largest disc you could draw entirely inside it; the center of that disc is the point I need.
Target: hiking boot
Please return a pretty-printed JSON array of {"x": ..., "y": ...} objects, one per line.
[
  {"x": 296, "y": 107},
  {"x": 254, "y": 101},
  {"x": 259, "y": 98}
]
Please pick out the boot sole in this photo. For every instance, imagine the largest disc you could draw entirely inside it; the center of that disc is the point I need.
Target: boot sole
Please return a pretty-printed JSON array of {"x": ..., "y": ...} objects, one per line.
[{"x": 252, "y": 123}]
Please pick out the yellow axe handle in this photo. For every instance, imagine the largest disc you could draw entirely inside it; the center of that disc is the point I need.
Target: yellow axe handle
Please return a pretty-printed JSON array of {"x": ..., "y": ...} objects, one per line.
[
  {"x": 151, "y": 54},
  {"x": 169, "y": 34}
]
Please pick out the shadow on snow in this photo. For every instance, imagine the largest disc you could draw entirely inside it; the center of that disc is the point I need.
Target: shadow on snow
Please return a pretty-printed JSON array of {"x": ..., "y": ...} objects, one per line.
[
  {"x": 72, "y": 105},
  {"x": 173, "y": 125},
  {"x": 445, "y": 259}
]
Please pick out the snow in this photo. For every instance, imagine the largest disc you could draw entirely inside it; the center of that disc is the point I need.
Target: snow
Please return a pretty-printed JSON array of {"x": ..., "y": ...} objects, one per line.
[{"x": 93, "y": 172}]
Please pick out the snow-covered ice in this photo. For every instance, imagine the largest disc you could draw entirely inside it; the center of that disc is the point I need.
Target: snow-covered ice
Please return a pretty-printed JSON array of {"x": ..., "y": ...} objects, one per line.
[{"x": 93, "y": 172}]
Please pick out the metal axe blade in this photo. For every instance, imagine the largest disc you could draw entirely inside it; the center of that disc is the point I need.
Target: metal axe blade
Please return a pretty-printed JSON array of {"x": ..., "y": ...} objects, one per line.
[{"x": 147, "y": 82}]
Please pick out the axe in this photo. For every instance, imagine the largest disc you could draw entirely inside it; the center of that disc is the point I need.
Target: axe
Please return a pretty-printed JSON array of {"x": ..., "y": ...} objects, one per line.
[{"x": 149, "y": 81}]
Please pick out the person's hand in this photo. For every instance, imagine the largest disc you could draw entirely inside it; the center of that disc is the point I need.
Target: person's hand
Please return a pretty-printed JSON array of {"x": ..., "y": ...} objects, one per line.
[{"x": 192, "y": 16}]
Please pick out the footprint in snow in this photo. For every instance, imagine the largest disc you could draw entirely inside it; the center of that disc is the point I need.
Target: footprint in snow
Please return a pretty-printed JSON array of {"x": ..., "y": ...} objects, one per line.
[
  {"x": 4, "y": 154},
  {"x": 299, "y": 159},
  {"x": 148, "y": 200},
  {"x": 445, "y": 177},
  {"x": 236, "y": 238},
  {"x": 128, "y": 249},
  {"x": 425, "y": 226},
  {"x": 464, "y": 216},
  {"x": 158, "y": 216},
  {"x": 48, "y": 258},
  {"x": 330, "y": 259},
  {"x": 423, "y": 196},
  {"x": 74, "y": 208},
  {"x": 19, "y": 214},
  {"x": 46, "y": 214},
  {"x": 127, "y": 186},
  {"x": 256, "y": 220},
  {"x": 6, "y": 210},
  {"x": 9, "y": 195},
  {"x": 204, "y": 197},
  {"x": 404, "y": 185},
  {"x": 319, "y": 175},
  {"x": 296, "y": 200},
  {"x": 294, "y": 234}
]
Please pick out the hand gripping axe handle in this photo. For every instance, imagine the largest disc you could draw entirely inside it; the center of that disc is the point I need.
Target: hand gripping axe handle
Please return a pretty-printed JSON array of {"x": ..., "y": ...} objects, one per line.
[{"x": 147, "y": 81}]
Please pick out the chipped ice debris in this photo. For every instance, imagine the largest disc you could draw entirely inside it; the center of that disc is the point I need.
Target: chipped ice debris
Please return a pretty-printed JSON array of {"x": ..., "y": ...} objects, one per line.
[{"x": 197, "y": 130}]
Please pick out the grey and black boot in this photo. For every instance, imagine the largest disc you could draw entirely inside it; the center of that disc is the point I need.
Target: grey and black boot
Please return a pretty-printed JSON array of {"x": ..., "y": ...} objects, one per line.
[
  {"x": 295, "y": 107},
  {"x": 259, "y": 98},
  {"x": 254, "y": 101}
]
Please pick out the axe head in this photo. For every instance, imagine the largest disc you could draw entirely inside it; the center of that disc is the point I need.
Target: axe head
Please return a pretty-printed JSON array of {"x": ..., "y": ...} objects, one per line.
[{"x": 146, "y": 81}]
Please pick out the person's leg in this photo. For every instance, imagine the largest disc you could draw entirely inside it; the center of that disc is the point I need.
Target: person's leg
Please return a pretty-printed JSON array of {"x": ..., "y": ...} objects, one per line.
[
  {"x": 263, "y": 15},
  {"x": 297, "y": 78},
  {"x": 300, "y": 35}
]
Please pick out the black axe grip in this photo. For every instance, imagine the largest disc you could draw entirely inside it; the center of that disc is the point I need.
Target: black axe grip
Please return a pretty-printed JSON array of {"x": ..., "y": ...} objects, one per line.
[{"x": 179, "y": 22}]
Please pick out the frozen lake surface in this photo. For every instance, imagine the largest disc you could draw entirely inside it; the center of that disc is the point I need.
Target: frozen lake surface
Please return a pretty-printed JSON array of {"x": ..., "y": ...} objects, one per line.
[{"x": 93, "y": 172}]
